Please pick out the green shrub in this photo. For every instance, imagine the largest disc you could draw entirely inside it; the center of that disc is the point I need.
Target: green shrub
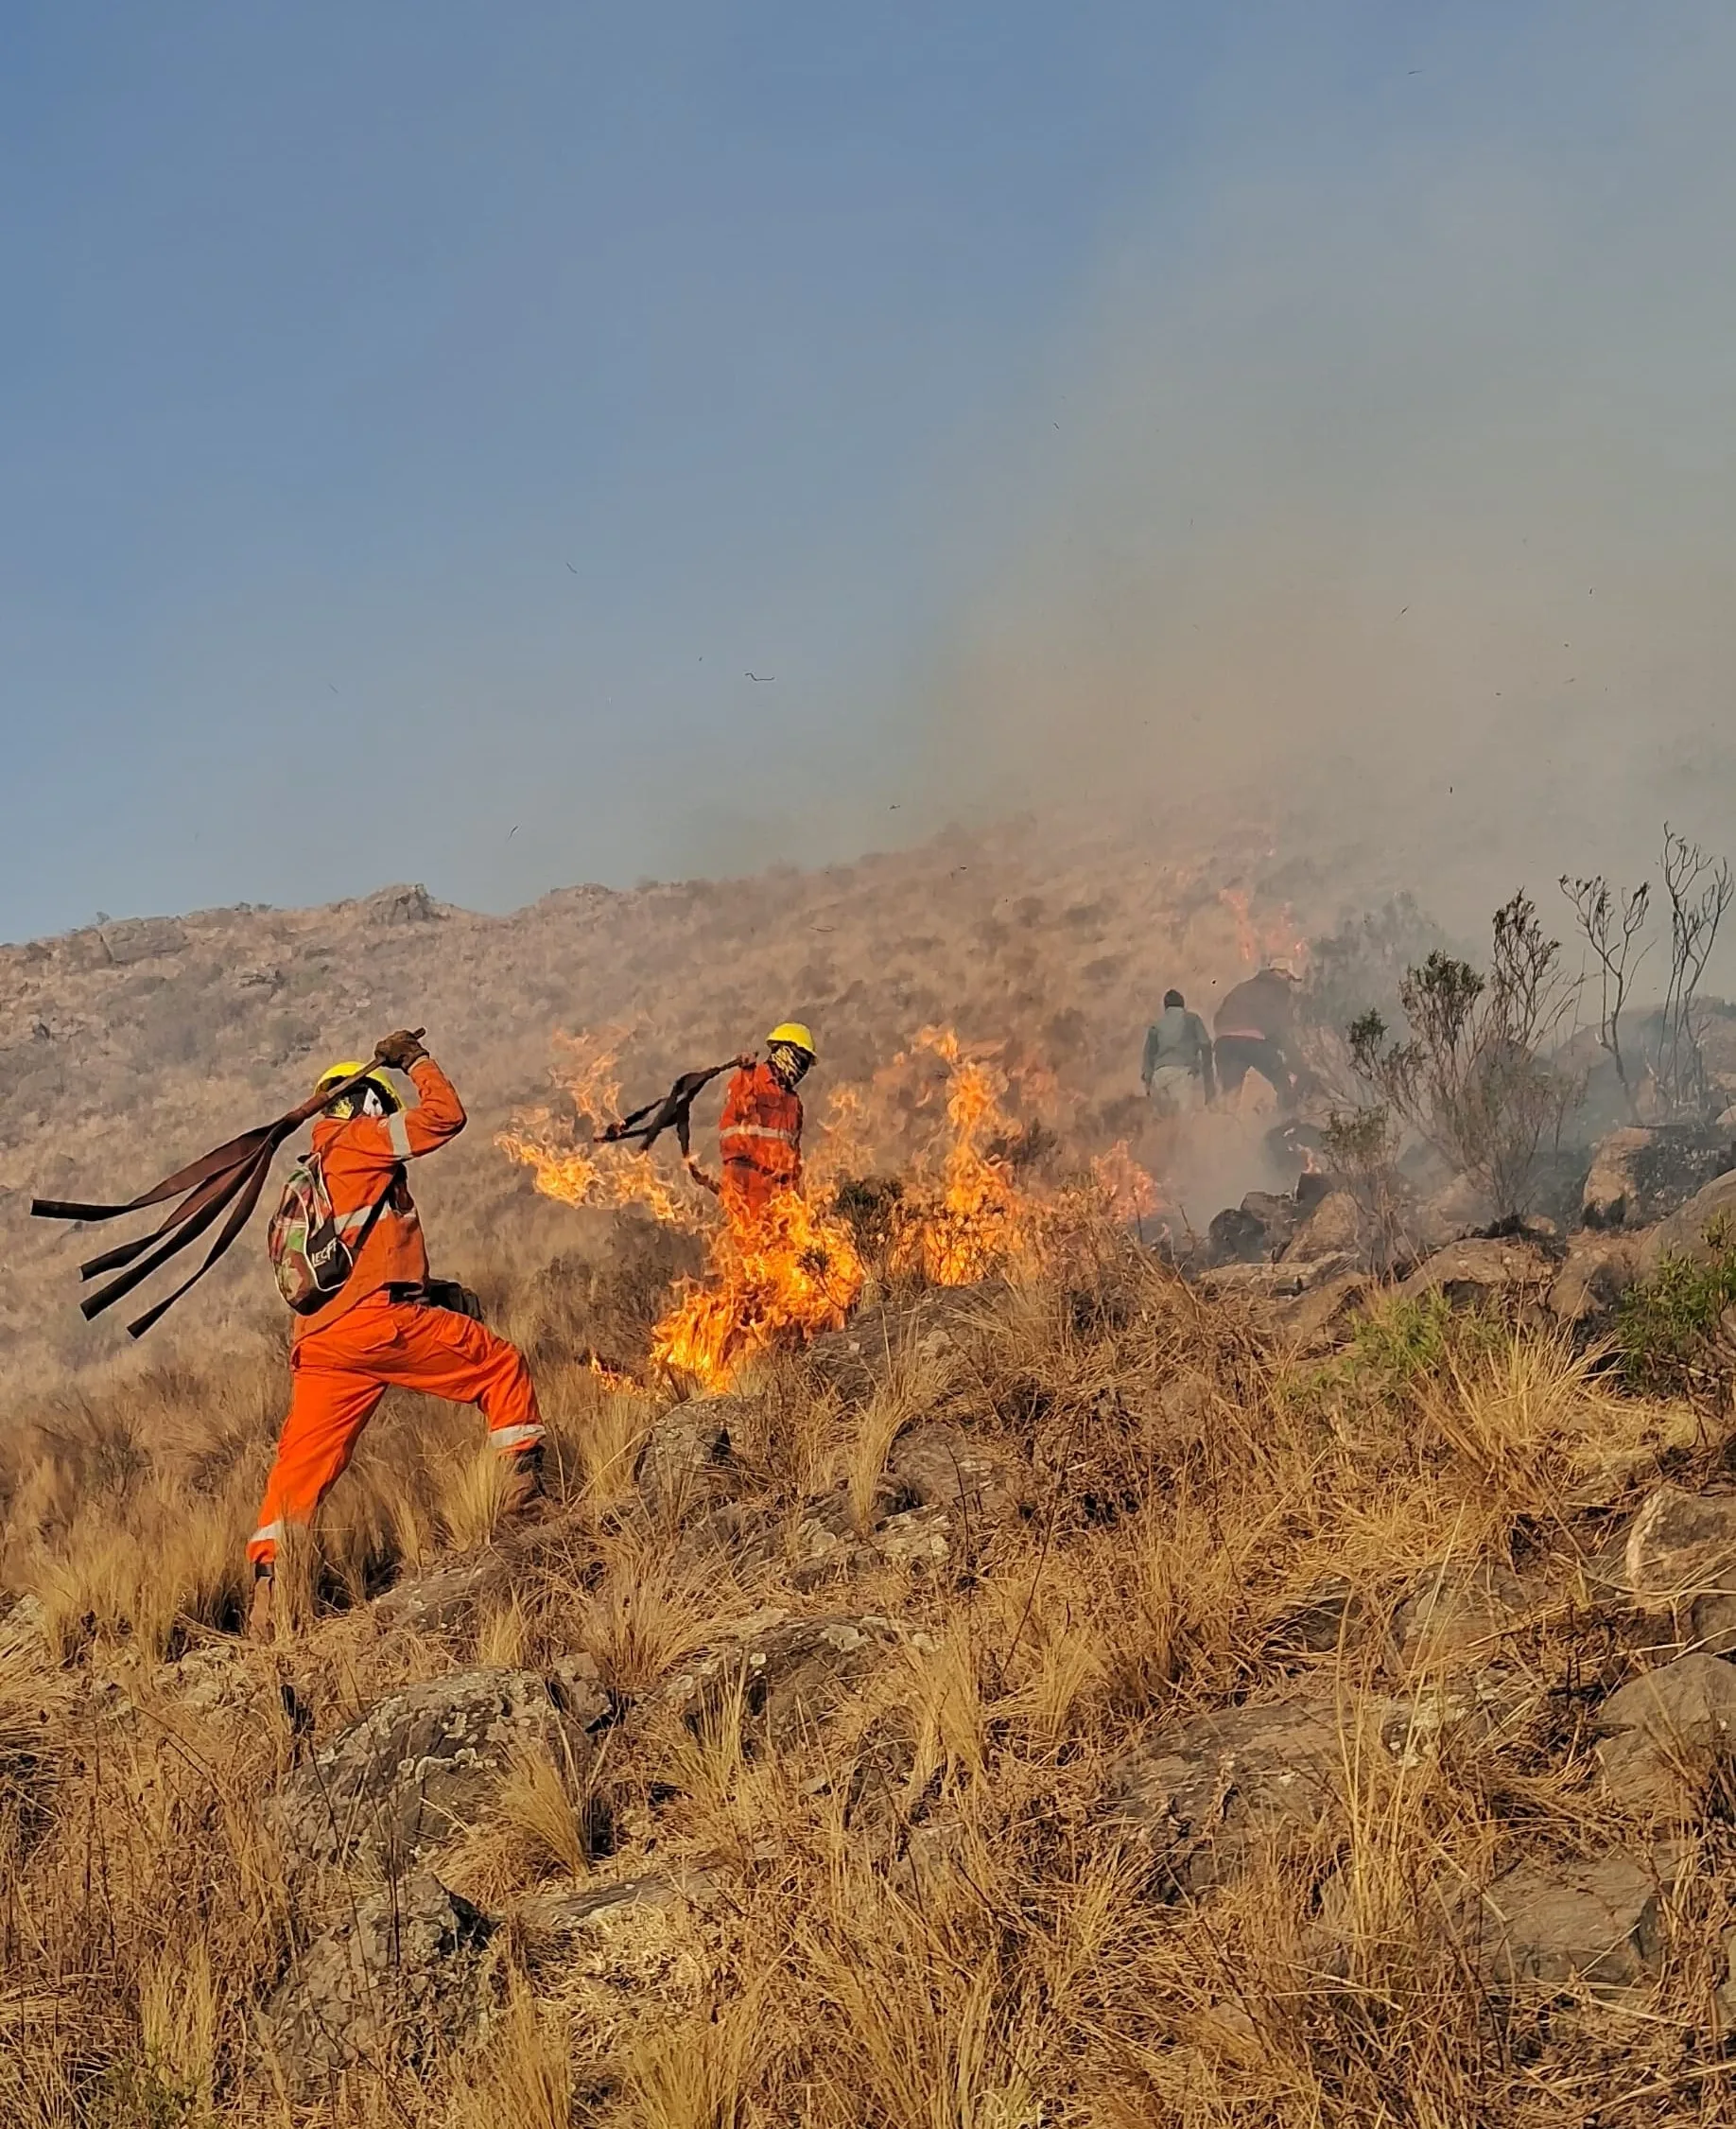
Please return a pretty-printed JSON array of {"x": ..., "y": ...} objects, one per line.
[{"x": 1665, "y": 1324}]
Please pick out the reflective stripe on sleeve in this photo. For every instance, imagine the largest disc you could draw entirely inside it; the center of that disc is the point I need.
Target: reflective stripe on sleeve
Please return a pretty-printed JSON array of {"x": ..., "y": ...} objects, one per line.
[
  {"x": 266, "y": 1534},
  {"x": 515, "y": 1437},
  {"x": 756, "y": 1132},
  {"x": 397, "y": 1130}
]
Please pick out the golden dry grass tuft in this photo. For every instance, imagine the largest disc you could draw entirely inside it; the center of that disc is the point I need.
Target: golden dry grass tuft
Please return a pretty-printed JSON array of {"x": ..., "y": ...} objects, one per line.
[{"x": 899, "y": 1903}]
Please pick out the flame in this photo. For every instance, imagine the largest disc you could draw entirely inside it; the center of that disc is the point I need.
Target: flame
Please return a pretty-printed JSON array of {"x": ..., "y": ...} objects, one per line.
[
  {"x": 974, "y": 1219},
  {"x": 786, "y": 1272},
  {"x": 561, "y": 1155},
  {"x": 1274, "y": 941},
  {"x": 1127, "y": 1190}
]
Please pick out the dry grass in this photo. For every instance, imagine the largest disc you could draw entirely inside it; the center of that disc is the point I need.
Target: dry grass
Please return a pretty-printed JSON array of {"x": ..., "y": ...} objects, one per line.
[{"x": 907, "y": 1912}]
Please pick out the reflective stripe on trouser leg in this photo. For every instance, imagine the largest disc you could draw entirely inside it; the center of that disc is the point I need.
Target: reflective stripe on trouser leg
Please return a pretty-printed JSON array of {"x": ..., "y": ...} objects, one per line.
[{"x": 509, "y": 1440}]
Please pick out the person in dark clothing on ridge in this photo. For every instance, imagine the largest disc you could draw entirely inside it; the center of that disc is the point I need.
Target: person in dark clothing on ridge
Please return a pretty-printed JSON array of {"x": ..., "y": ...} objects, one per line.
[{"x": 1255, "y": 1031}]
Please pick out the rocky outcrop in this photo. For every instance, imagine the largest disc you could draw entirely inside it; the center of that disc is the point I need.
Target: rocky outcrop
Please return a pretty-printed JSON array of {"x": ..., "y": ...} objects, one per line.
[
  {"x": 788, "y": 1673},
  {"x": 685, "y": 1466},
  {"x": 425, "y": 1764},
  {"x": 407, "y": 1977},
  {"x": 1485, "y": 1269},
  {"x": 1662, "y": 1735},
  {"x": 1684, "y": 1233},
  {"x": 1207, "y": 1791},
  {"x": 143, "y": 938},
  {"x": 1640, "y": 1175},
  {"x": 1679, "y": 1547},
  {"x": 1597, "y": 1270}
]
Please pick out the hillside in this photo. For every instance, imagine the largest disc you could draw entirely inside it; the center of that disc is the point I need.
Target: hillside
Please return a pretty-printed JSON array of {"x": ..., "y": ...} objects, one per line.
[{"x": 127, "y": 1047}]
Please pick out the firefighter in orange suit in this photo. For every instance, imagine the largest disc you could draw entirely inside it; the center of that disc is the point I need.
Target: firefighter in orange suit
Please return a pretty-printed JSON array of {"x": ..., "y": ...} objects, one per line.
[
  {"x": 384, "y": 1325},
  {"x": 760, "y": 1134}
]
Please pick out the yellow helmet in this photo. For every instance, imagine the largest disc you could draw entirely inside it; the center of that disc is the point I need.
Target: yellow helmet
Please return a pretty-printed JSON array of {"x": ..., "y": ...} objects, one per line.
[
  {"x": 794, "y": 1034},
  {"x": 333, "y": 1075}
]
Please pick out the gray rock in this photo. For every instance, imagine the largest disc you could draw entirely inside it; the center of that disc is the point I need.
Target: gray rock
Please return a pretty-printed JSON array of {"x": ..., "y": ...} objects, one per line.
[
  {"x": 1597, "y": 1270},
  {"x": 1683, "y": 1234},
  {"x": 935, "y": 1464},
  {"x": 1661, "y": 1734},
  {"x": 407, "y": 1977},
  {"x": 401, "y": 905},
  {"x": 1680, "y": 1547},
  {"x": 1551, "y": 1926},
  {"x": 1612, "y": 1192},
  {"x": 1333, "y": 1229},
  {"x": 1457, "y": 1613},
  {"x": 427, "y": 1762},
  {"x": 1203, "y": 1793},
  {"x": 685, "y": 1466},
  {"x": 445, "y": 1600},
  {"x": 1484, "y": 1269},
  {"x": 790, "y": 1673}
]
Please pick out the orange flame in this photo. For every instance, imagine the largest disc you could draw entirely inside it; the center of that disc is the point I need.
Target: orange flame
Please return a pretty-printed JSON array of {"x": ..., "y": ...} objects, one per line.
[
  {"x": 785, "y": 1273},
  {"x": 974, "y": 1219},
  {"x": 1127, "y": 1190},
  {"x": 565, "y": 1163},
  {"x": 1274, "y": 939}
]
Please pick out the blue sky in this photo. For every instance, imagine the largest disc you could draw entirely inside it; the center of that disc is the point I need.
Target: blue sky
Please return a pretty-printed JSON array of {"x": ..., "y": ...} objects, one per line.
[{"x": 417, "y": 420}]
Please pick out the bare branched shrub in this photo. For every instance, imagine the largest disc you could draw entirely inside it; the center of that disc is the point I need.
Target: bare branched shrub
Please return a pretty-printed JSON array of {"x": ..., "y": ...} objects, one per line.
[
  {"x": 1473, "y": 1077},
  {"x": 1612, "y": 925},
  {"x": 1699, "y": 891}
]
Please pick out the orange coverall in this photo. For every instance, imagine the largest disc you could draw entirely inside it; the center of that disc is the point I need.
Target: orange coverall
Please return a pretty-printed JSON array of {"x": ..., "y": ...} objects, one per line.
[
  {"x": 344, "y": 1358},
  {"x": 760, "y": 1139}
]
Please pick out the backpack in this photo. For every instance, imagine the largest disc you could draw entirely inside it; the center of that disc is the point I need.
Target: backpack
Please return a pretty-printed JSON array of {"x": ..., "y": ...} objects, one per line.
[{"x": 310, "y": 1260}]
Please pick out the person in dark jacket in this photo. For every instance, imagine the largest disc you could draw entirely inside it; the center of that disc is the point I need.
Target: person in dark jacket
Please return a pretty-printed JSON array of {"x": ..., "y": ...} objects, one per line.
[
  {"x": 1256, "y": 1028},
  {"x": 1177, "y": 1067}
]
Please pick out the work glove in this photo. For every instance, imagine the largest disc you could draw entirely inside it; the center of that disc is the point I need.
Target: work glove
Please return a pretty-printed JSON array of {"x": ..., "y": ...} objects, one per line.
[{"x": 401, "y": 1049}]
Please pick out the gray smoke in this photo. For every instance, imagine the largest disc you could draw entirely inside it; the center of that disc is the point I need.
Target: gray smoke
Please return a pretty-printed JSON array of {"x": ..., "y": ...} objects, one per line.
[{"x": 1397, "y": 513}]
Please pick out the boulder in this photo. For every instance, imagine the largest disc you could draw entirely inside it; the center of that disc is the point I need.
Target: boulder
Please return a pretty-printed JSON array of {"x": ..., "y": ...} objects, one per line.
[
  {"x": 408, "y": 1976},
  {"x": 1554, "y": 1924},
  {"x": 1680, "y": 1547},
  {"x": 1683, "y": 1234},
  {"x": 1457, "y": 1613},
  {"x": 790, "y": 1673},
  {"x": 1483, "y": 1269},
  {"x": 1597, "y": 1270},
  {"x": 1236, "y": 1237},
  {"x": 427, "y": 1763},
  {"x": 1446, "y": 1215},
  {"x": 935, "y": 1464},
  {"x": 1662, "y": 1733},
  {"x": 685, "y": 1465},
  {"x": 1203, "y": 1793},
  {"x": 1612, "y": 1188},
  {"x": 1333, "y": 1229},
  {"x": 143, "y": 938},
  {"x": 400, "y": 906},
  {"x": 1641, "y": 1174}
]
